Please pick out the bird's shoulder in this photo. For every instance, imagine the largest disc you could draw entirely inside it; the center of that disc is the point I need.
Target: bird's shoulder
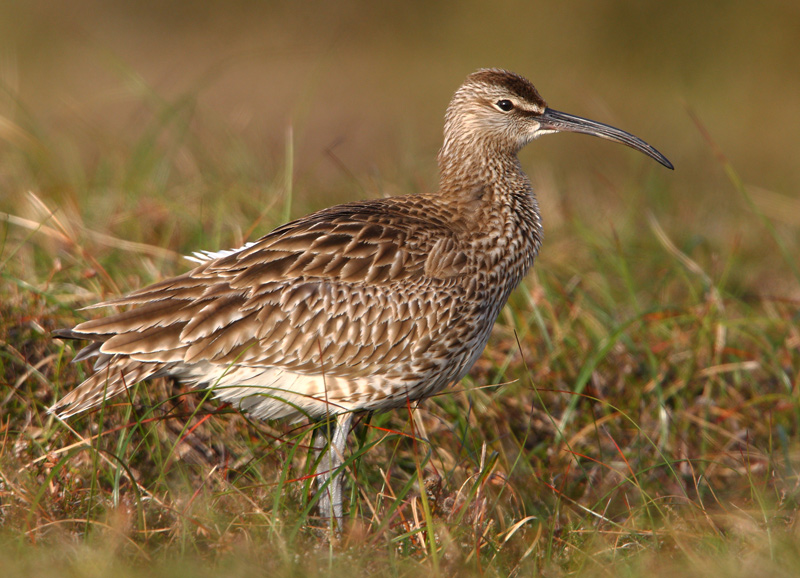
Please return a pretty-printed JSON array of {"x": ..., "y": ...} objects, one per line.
[{"x": 375, "y": 242}]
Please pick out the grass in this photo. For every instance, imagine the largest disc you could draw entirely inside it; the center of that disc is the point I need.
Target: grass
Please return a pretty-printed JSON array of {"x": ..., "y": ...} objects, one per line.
[{"x": 636, "y": 412}]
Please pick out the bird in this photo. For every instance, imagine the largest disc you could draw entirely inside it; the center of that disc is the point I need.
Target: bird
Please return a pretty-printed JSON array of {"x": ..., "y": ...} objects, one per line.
[{"x": 364, "y": 306}]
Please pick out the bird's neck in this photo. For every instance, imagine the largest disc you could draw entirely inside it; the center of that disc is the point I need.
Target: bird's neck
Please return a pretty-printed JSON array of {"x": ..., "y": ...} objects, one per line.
[
  {"x": 465, "y": 162},
  {"x": 494, "y": 193},
  {"x": 467, "y": 172}
]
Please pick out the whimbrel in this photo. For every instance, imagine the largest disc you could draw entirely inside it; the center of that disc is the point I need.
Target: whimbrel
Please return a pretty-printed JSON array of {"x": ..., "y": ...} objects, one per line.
[{"x": 363, "y": 306}]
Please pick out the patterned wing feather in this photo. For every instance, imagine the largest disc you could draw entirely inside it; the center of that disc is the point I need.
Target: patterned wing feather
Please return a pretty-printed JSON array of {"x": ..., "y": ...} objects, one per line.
[{"x": 337, "y": 294}]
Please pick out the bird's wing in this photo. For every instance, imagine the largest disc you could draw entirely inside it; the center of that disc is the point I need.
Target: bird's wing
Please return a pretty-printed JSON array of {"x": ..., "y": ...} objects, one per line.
[{"x": 340, "y": 292}]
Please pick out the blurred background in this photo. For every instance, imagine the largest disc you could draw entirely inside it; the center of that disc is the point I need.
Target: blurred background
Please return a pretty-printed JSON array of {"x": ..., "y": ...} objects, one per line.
[
  {"x": 136, "y": 131},
  {"x": 364, "y": 86}
]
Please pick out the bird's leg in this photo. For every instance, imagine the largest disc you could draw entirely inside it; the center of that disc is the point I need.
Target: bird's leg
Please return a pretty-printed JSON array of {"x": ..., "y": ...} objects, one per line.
[{"x": 330, "y": 500}]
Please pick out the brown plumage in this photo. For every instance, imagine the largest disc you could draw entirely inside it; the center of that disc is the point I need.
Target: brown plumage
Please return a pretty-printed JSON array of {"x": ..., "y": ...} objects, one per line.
[{"x": 362, "y": 306}]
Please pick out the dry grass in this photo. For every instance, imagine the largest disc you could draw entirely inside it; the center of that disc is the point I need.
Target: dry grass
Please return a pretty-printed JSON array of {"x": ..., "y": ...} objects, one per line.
[{"x": 636, "y": 412}]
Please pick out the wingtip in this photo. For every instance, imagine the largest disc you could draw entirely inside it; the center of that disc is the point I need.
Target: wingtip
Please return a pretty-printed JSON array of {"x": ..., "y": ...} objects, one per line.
[
  {"x": 56, "y": 410},
  {"x": 65, "y": 333}
]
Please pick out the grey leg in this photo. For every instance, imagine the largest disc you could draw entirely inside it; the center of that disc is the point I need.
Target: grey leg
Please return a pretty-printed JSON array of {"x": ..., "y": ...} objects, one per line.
[{"x": 330, "y": 502}]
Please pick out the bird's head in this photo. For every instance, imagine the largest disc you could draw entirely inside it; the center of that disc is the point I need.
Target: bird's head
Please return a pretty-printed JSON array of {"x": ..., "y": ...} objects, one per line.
[{"x": 501, "y": 112}]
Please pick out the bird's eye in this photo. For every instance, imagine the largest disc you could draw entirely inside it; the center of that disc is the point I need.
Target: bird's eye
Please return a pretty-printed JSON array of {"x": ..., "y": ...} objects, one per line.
[{"x": 505, "y": 105}]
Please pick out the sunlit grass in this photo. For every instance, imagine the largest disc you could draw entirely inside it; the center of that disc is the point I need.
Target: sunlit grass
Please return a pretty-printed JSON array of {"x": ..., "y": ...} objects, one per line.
[{"x": 636, "y": 413}]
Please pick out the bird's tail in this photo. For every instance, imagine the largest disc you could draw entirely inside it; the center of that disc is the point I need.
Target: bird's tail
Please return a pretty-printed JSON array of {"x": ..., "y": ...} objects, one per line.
[
  {"x": 112, "y": 375},
  {"x": 107, "y": 382}
]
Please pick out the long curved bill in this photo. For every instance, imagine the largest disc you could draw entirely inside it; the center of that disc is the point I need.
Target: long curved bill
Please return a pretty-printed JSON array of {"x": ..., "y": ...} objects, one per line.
[{"x": 553, "y": 120}]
